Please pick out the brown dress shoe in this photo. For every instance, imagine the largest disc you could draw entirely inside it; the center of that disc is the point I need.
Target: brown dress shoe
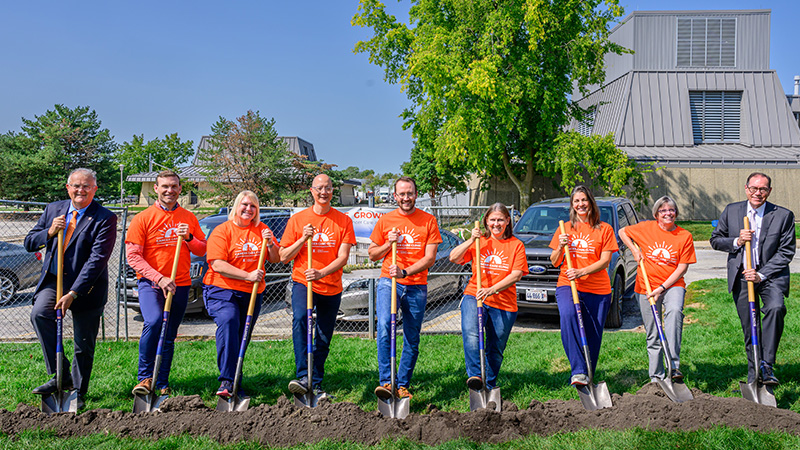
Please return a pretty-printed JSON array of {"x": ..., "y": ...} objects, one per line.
[{"x": 144, "y": 387}]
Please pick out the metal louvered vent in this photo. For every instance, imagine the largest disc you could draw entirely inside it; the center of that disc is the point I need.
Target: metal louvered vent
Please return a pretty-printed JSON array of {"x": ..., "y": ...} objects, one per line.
[
  {"x": 706, "y": 42},
  {"x": 716, "y": 116}
]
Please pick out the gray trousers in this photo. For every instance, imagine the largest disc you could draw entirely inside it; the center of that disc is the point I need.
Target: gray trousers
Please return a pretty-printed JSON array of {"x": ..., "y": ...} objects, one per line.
[
  {"x": 85, "y": 327},
  {"x": 670, "y": 306}
]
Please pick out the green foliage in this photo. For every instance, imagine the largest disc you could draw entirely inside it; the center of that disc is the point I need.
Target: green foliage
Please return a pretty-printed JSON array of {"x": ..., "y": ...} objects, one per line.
[
  {"x": 604, "y": 167},
  {"x": 489, "y": 81},
  {"x": 431, "y": 177},
  {"x": 167, "y": 152},
  {"x": 50, "y": 146}
]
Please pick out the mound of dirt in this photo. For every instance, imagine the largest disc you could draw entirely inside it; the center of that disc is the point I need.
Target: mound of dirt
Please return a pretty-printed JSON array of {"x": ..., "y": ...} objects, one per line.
[{"x": 285, "y": 424}]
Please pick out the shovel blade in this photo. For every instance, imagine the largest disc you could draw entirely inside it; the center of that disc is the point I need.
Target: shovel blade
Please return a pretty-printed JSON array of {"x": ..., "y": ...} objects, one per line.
[
  {"x": 393, "y": 407},
  {"x": 595, "y": 396},
  {"x": 481, "y": 399},
  {"x": 58, "y": 402},
  {"x": 677, "y": 392},
  {"x": 234, "y": 403},
  {"x": 308, "y": 400},
  {"x": 148, "y": 403},
  {"x": 758, "y": 393}
]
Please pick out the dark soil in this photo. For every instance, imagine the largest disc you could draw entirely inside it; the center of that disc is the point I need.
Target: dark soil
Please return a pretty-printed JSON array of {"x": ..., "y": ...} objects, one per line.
[{"x": 284, "y": 424}]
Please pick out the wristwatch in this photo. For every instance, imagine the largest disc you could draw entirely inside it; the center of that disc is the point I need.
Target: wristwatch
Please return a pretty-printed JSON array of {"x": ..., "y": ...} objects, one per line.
[
  {"x": 189, "y": 239},
  {"x": 405, "y": 273},
  {"x": 73, "y": 294}
]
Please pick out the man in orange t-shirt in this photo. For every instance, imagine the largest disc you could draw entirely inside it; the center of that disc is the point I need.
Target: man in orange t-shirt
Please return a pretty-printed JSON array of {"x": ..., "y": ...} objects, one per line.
[
  {"x": 417, "y": 235},
  {"x": 332, "y": 235},
  {"x": 150, "y": 247}
]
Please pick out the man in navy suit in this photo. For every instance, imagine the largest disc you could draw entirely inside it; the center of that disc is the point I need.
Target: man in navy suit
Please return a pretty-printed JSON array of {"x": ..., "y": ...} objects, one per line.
[
  {"x": 92, "y": 232},
  {"x": 772, "y": 239}
]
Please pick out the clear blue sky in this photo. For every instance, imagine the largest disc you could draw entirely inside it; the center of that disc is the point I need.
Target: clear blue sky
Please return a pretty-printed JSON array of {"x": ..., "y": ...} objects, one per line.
[{"x": 156, "y": 68}]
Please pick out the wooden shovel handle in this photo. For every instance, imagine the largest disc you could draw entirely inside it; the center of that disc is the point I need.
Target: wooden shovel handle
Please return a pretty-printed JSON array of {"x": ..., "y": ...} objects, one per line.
[{"x": 568, "y": 256}]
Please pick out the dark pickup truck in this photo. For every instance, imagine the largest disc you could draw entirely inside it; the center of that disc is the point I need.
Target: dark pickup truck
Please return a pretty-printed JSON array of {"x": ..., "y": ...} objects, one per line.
[{"x": 536, "y": 291}]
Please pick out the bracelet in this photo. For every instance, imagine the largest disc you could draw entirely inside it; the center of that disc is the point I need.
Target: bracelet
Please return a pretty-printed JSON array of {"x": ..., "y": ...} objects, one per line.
[{"x": 662, "y": 287}]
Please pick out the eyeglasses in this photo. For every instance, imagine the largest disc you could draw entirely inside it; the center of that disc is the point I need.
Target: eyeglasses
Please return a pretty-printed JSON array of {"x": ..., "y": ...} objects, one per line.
[
  {"x": 762, "y": 190},
  {"x": 78, "y": 187},
  {"x": 406, "y": 194},
  {"x": 666, "y": 211},
  {"x": 322, "y": 189}
]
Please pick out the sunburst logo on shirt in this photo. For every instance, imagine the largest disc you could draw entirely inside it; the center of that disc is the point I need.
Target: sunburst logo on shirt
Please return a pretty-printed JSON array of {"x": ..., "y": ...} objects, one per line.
[
  {"x": 323, "y": 238},
  {"x": 581, "y": 245},
  {"x": 494, "y": 259},
  {"x": 169, "y": 234},
  {"x": 408, "y": 240},
  {"x": 248, "y": 249},
  {"x": 661, "y": 254}
]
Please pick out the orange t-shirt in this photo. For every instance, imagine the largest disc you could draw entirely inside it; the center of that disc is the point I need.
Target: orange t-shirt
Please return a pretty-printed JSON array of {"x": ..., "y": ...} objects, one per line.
[
  {"x": 662, "y": 251},
  {"x": 417, "y": 230},
  {"x": 586, "y": 244},
  {"x": 498, "y": 258},
  {"x": 154, "y": 229},
  {"x": 239, "y": 247},
  {"x": 332, "y": 230}
]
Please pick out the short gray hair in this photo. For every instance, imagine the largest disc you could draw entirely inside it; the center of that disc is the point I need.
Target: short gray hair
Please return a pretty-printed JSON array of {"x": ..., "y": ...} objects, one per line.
[
  {"x": 661, "y": 202},
  {"x": 85, "y": 172}
]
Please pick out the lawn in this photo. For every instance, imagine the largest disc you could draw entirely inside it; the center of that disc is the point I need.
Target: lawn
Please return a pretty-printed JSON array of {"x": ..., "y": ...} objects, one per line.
[{"x": 535, "y": 367}]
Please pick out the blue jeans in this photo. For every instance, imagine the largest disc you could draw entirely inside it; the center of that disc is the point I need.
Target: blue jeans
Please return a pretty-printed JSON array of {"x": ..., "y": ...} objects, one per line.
[
  {"x": 228, "y": 308},
  {"x": 497, "y": 325},
  {"x": 411, "y": 300},
  {"x": 594, "y": 309},
  {"x": 151, "y": 303},
  {"x": 327, "y": 307}
]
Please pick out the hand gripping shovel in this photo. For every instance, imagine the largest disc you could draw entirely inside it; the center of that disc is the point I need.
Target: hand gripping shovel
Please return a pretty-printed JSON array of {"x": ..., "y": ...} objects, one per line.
[
  {"x": 60, "y": 400},
  {"x": 152, "y": 402},
  {"x": 593, "y": 396},
  {"x": 755, "y": 391},
  {"x": 309, "y": 399},
  {"x": 234, "y": 402},
  {"x": 480, "y": 399},
  {"x": 677, "y": 392},
  {"x": 394, "y": 406}
]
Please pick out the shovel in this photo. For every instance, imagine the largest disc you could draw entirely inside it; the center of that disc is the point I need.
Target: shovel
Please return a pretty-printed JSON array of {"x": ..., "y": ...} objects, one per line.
[
  {"x": 394, "y": 407},
  {"x": 677, "y": 392},
  {"x": 593, "y": 396},
  {"x": 60, "y": 400},
  {"x": 755, "y": 391},
  {"x": 152, "y": 402},
  {"x": 480, "y": 399},
  {"x": 234, "y": 402},
  {"x": 309, "y": 399}
]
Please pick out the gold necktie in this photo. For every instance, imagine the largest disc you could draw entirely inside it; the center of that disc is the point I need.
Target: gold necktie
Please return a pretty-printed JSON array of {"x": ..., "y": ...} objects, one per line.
[{"x": 70, "y": 227}]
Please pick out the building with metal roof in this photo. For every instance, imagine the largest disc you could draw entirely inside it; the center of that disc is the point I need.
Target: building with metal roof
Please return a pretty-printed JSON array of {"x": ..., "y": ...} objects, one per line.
[{"x": 697, "y": 98}]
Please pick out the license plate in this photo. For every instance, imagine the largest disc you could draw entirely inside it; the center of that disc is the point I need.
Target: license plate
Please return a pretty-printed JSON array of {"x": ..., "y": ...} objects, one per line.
[{"x": 535, "y": 295}]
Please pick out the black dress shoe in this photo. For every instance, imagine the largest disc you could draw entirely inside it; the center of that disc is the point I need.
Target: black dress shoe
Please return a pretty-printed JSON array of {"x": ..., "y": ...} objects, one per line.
[
  {"x": 768, "y": 376},
  {"x": 51, "y": 386},
  {"x": 81, "y": 402}
]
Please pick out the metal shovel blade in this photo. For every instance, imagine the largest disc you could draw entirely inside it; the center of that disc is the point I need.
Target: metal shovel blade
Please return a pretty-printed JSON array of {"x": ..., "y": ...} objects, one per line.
[
  {"x": 393, "y": 407},
  {"x": 308, "y": 400},
  {"x": 148, "y": 403},
  {"x": 595, "y": 396},
  {"x": 677, "y": 392},
  {"x": 758, "y": 393},
  {"x": 481, "y": 399},
  {"x": 233, "y": 403},
  {"x": 65, "y": 401}
]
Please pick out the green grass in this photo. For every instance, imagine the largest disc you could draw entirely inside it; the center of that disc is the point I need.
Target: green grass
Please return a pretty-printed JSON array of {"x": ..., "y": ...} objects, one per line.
[{"x": 534, "y": 368}]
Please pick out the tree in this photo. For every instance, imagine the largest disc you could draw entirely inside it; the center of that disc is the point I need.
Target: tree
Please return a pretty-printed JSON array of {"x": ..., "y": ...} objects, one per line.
[
  {"x": 50, "y": 146},
  {"x": 490, "y": 80},
  {"x": 431, "y": 177},
  {"x": 596, "y": 159},
  {"x": 136, "y": 155}
]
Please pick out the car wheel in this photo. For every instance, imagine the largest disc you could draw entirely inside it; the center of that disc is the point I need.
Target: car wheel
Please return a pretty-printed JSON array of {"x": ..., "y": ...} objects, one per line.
[
  {"x": 614, "y": 318},
  {"x": 8, "y": 288}
]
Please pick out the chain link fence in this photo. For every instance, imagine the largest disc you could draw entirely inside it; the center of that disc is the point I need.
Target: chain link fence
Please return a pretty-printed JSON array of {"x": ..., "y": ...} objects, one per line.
[{"x": 20, "y": 271}]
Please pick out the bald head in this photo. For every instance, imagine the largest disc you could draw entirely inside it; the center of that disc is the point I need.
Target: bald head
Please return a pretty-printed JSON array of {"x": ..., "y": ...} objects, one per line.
[{"x": 322, "y": 191}]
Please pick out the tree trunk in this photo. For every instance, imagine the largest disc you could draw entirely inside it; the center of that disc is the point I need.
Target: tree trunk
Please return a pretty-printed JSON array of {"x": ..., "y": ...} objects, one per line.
[{"x": 524, "y": 185}]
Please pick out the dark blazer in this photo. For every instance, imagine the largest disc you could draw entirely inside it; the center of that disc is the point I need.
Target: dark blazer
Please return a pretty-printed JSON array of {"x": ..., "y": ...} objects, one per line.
[
  {"x": 85, "y": 256},
  {"x": 776, "y": 242}
]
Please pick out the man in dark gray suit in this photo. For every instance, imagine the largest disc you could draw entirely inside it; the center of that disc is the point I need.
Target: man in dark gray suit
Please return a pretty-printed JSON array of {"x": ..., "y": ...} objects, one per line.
[
  {"x": 773, "y": 242},
  {"x": 90, "y": 234}
]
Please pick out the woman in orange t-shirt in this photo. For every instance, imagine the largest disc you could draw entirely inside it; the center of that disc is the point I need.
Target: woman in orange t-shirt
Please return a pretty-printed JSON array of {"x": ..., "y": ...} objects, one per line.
[
  {"x": 591, "y": 243},
  {"x": 667, "y": 250},
  {"x": 233, "y": 252},
  {"x": 503, "y": 263}
]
